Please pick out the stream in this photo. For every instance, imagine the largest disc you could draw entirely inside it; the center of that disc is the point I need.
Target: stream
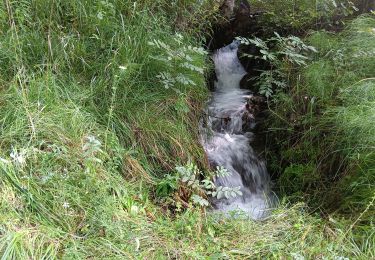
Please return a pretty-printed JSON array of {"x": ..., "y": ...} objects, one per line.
[{"x": 227, "y": 143}]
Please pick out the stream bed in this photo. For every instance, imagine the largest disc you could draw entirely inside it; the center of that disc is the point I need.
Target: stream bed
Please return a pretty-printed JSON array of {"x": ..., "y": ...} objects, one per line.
[{"x": 226, "y": 139}]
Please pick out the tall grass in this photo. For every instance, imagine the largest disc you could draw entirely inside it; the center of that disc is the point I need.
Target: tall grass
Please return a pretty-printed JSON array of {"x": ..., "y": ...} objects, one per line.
[
  {"x": 82, "y": 110},
  {"x": 300, "y": 16},
  {"x": 87, "y": 127},
  {"x": 331, "y": 130}
]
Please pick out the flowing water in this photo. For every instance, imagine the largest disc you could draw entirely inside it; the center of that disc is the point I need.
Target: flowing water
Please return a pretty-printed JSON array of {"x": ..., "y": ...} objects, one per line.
[{"x": 228, "y": 145}]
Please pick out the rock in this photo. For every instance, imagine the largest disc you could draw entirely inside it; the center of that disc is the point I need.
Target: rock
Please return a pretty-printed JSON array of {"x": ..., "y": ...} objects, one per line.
[
  {"x": 226, "y": 9},
  {"x": 255, "y": 105},
  {"x": 211, "y": 79},
  {"x": 251, "y": 64},
  {"x": 248, "y": 122},
  {"x": 247, "y": 82},
  {"x": 242, "y": 23},
  {"x": 239, "y": 22}
]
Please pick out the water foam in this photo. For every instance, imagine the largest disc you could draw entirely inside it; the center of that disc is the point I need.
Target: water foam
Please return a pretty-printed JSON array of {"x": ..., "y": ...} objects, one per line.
[{"x": 227, "y": 145}]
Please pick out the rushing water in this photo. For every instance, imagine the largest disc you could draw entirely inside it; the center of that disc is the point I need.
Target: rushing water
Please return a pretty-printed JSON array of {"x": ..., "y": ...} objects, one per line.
[{"x": 227, "y": 145}]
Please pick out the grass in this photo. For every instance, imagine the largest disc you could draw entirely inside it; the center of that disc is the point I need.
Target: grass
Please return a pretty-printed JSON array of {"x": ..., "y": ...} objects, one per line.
[
  {"x": 330, "y": 110},
  {"x": 299, "y": 16},
  {"x": 87, "y": 128}
]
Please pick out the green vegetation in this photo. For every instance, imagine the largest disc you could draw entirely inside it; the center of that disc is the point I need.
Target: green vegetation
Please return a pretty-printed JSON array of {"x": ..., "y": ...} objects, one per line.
[
  {"x": 86, "y": 125},
  {"x": 301, "y": 15},
  {"x": 324, "y": 127},
  {"x": 284, "y": 51},
  {"x": 321, "y": 125},
  {"x": 100, "y": 100}
]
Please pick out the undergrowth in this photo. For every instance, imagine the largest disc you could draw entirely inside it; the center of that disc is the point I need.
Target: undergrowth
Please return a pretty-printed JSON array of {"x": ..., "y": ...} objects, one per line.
[
  {"x": 299, "y": 16},
  {"x": 324, "y": 128},
  {"x": 89, "y": 125}
]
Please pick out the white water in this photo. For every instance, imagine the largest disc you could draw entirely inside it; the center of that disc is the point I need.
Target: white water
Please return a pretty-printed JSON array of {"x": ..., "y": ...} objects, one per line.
[{"x": 227, "y": 145}]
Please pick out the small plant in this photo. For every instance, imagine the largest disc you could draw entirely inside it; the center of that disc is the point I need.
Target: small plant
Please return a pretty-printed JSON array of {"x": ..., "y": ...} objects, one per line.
[
  {"x": 180, "y": 62},
  {"x": 167, "y": 185},
  {"x": 19, "y": 157},
  {"x": 92, "y": 147},
  {"x": 287, "y": 50},
  {"x": 201, "y": 189}
]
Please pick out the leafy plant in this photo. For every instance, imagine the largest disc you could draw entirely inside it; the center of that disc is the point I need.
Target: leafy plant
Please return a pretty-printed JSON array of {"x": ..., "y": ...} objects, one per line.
[
  {"x": 226, "y": 192},
  {"x": 179, "y": 61},
  {"x": 189, "y": 176},
  {"x": 285, "y": 50},
  {"x": 91, "y": 147},
  {"x": 166, "y": 186}
]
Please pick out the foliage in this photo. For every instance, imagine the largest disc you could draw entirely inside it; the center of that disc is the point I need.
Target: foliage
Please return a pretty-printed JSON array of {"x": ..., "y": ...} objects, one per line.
[
  {"x": 323, "y": 129},
  {"x": 189, "y": 178},
  {"x": 177, "y": 61},
  {"x": 286, "y": 52},
  {"x": 300, "y": 15},
  {"x": 86, "y": 126},
  {"x": 190, "y": 173}
]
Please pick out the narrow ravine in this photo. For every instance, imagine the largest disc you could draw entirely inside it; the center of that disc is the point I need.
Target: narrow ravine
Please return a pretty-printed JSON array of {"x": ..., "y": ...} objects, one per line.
[{"x": 227, "y": 143}]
